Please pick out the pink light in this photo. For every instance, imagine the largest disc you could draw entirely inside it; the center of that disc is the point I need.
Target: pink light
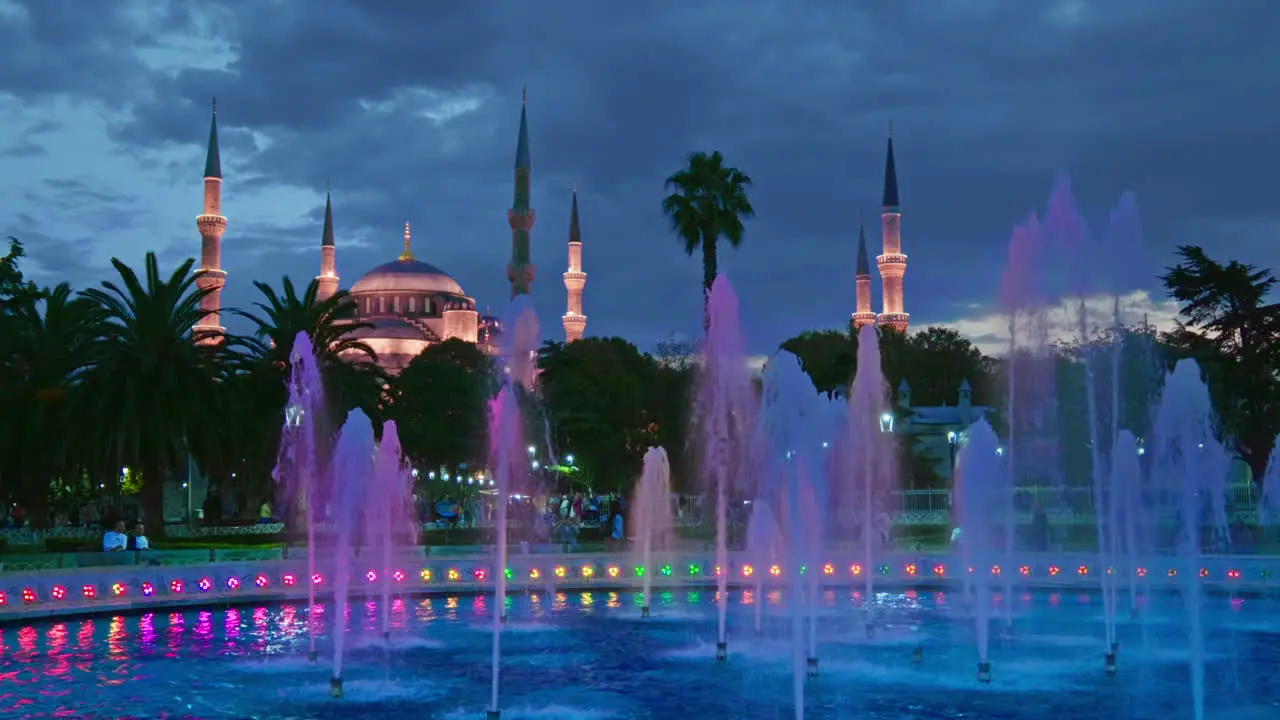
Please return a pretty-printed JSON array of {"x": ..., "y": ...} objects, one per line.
[
  {"x": 148, "y": 589},
  {"x": 479, "y": 574},
  {"x": 205, "y": 584},
  {"x": 261, "y": 580},
  {"x": 289, "y": 580},
  {"x": 371, "y": 576},
  {"x": 28, "y": 595},
  {"x": 317, "y": 579},
  {"x": 233, "y": 583},
  {"x": 398, "y": 576},
  {"x": 175, "y": 586},
  {"x": 89, "y": 592},
  {"x": 58, "y": 592}
]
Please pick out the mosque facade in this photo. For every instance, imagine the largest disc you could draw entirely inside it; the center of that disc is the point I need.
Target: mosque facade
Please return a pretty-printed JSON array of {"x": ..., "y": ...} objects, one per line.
[{"x": 405, "y": 305}]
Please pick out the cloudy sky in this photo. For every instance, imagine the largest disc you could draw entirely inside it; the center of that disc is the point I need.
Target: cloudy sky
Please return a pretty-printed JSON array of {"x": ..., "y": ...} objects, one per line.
[{"x": 409, "y": 110}]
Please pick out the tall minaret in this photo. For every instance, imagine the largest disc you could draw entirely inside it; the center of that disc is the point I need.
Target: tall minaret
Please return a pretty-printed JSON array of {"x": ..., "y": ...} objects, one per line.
[
  {"x": 862, "y": 280},
  {"x": 327, "y": 280},
  {"x": 210, "y": 275},
  {"x": 574, "y": 279},
  {"x": 892, "y": 263},
  {"x": 521, "y": 216}
]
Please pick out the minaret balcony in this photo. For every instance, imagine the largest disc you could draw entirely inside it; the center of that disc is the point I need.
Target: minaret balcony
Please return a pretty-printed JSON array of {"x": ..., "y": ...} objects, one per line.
[
  {"x": 897, "y": 321},
  {"x": 521, "y": 219},
  {"x": 574, "y": 320},
  {"x": 575, "y": 280},
  {"x": 211, "y": 224}
]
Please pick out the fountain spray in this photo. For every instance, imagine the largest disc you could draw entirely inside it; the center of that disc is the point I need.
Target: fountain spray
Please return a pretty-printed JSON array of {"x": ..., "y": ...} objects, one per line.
[
  {"x": 652, "y": 514},
  {"x": 352, "y": 475},
  {"x": 298, "y": 472}
]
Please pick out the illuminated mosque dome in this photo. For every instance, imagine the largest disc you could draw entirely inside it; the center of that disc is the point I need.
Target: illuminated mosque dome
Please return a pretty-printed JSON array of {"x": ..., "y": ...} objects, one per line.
[{"x": 410, "y": 305}]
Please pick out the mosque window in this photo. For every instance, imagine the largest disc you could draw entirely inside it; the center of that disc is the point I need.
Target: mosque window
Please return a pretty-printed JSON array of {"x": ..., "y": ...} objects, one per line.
[
  {"x": 413, "y": 304},
  {"x": 382, "y": 304},
  {"x": 426, "y": 306},
  {"x": 395, "y": 304}
]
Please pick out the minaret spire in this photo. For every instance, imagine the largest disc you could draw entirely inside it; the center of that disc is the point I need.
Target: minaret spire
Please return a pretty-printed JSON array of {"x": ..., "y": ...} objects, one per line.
[
  {"x": 862, "y": 281},
  {"x": 574, "y": 321},
  {"x": 407, "y": 255},
  {"x": 520, "y": 217},
  {"x": 327, "y": 280},
  {"x": 210, "y": 276},
  {"x": 892, "y": 262}
]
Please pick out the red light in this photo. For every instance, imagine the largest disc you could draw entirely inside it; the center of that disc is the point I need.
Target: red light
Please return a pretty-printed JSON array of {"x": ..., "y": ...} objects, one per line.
[
  {"x": 371, "y": 576},
  {"x": 995, "y": 570},
  {"x": 28, "y": 595},
  {"x": 148, "y": 589},
  {"x": 1233, "y": 574},
  {"x": 261, "y": 580},
  {"x": 1142, "y": 572},
  {"x": 1204, "y": 572},
  {"x": 1172, "y": 572},
  {"x": 398, "y": 576},
  {"x": 828, "y": 569},
  {"x": 479, "y": 574},
  {"x": 117, "y": 589},
  {"x": 1082, "y": 571},
  {"x": 775, "y": 570},
  {"x": 205, "y": 584},
  {"x": 910, "y": 568},
  {"x": 855, "y": 569},
  {"x": 289, "y": 580},
  {"x": 1054, "y": 570},
  {"x": 1025, "y": 570},
  {"x": 613, "y": 571},
  {"x": 233, "y": 583},
  {"x": 4, "y": 599},
  {"x": 175, "y": 586},
  {"x": 939, "y": 570},
  {"x": 748, "y": 571},
  {"x": 317, "y": 579},
  {"x": 58, "y": 592},
  {"x": 534, "y": 573},
  {"x": 718, "y": 570},
  {"x": 89, "y": 592}
]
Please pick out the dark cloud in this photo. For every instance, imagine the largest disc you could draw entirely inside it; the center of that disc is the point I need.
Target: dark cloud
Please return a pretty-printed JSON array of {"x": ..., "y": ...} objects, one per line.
[{"x": 1169, "y": 98}]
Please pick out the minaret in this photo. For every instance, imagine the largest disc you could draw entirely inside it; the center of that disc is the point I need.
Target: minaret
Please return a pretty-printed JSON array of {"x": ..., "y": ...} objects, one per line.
[
  {"x": 862, "y": 280},
  {"x": 521, "y": 216},
  {"x": 327, "y": 280},
  {"x": 574, "y": 279},
  {"x": 210, "y": 275},
  {"x": 892, "y": 263}
]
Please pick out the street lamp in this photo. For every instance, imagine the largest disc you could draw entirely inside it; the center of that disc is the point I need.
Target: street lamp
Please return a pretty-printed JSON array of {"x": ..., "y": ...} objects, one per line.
[
  {"x": 532, "y": 450},
  {"x": 952, "y": 438},
  {"x": 886, "y": 422},
  {"x": 569, "y": 458}
]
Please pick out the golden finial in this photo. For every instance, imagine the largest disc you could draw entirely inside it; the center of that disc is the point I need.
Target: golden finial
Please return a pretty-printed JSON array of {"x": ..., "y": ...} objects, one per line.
[{"x": 407, "y": 255}]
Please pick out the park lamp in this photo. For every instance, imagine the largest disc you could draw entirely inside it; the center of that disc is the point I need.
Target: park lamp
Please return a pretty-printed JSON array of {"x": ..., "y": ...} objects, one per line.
[
  {"x": 952, "y": 437},
  {"x": 534, "y": 464},
  {"x": 532, "y": 450},
  {"x": 569, "y": 458},
  {"x": 886, "y": 422},
  {"x": 431, "y": 475}
]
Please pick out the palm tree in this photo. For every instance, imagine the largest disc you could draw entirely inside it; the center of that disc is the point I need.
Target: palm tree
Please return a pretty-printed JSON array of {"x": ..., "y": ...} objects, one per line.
[
  {"x": 149, "y": 386},
  {"x": 329, "y": 323},
  {"x": 708, "y": 201},
  {"x": 48, "y": 343},
  {"x": 351, "y": 377}
]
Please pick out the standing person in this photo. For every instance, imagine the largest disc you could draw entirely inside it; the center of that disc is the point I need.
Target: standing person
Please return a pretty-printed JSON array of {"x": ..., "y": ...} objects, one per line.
[
  {"x": 617, "y": 534},
  {"x": 138, "y": 540}
]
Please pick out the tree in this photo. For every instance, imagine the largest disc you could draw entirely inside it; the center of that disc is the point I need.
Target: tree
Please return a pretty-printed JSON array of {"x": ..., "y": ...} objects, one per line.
[
  {"x": 598, "y": 392},
  {"x": 440, "y": 405},
  {"x": 707, "y": 201},
  {"x": 827, "y": 356},
  {"x": 149, "y": 386},
  {"x": 51, "y": 342},
  {"x": 1234, "y": 333}
]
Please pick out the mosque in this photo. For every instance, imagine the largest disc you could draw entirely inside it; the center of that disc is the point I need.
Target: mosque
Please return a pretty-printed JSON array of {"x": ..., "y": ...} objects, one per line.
[{"x": 408, "y": 305}]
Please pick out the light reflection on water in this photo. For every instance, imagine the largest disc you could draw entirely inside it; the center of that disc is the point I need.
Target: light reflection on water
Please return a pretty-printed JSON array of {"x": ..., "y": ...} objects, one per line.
[{"x": 588, "y": 652}]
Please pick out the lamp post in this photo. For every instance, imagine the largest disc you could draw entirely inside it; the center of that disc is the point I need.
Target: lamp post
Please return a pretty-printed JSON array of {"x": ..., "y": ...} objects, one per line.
[
  {"x": 952, "y": 437},
  {"x": 886, "y": 422}
]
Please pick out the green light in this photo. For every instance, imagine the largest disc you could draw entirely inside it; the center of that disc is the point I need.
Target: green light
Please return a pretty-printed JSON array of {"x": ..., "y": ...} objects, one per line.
[
  {"x": 1265, "y": 574},
  {"x": 884, "y": 569},
  {"x": 695, "y": 570},
  {"x": 804, "y": 569},
  {"x": 507, "y": 572},
  {"x": 639, "y": 571},
  {"x": 666, "y": 570}
]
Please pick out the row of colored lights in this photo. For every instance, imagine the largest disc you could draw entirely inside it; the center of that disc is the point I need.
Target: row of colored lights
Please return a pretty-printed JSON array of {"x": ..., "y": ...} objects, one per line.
[{"x": 588, "y": 571}]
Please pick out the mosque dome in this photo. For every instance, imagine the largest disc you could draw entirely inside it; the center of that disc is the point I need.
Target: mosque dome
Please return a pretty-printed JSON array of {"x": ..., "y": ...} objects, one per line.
[{"x": 407, "y": 275}]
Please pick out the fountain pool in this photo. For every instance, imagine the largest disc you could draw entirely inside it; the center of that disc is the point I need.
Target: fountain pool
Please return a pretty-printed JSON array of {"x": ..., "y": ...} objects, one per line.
[{"x": 587, "y": 654}]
